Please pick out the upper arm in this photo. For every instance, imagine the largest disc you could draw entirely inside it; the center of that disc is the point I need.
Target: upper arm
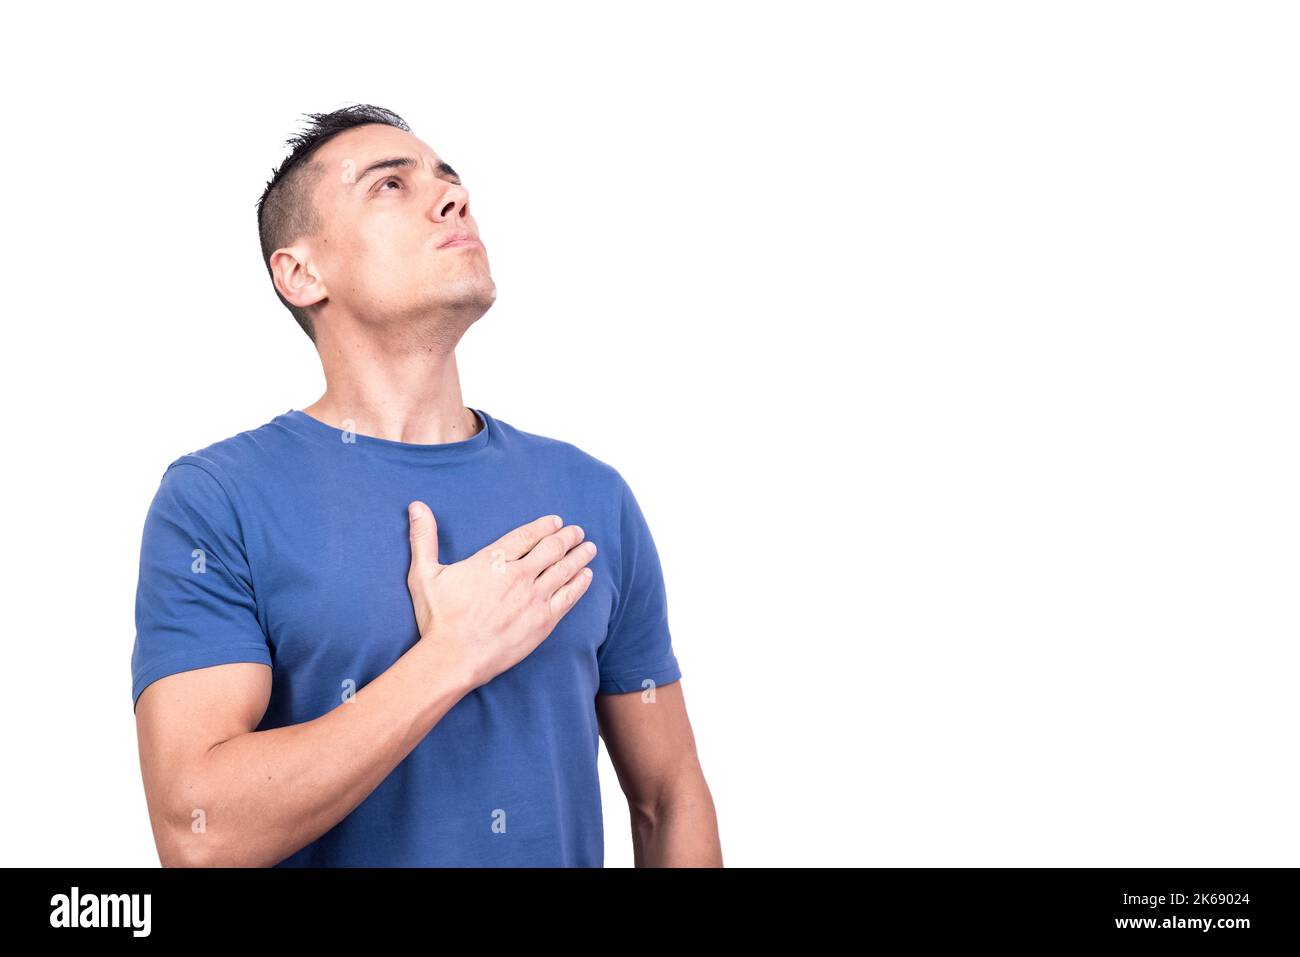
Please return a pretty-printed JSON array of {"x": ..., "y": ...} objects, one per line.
[
  {"x": 180, "y": 718},
  {"x": 194, "y": 604},
  {"x": 200, "y": 667},
  {"x": 639, "y": 703},
  {"x": 650, "y": 742},
  {"x": 638, "y": 646}
]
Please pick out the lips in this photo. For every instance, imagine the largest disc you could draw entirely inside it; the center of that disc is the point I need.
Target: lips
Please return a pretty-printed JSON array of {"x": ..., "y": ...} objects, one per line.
[{"x": 460, "y": 239}]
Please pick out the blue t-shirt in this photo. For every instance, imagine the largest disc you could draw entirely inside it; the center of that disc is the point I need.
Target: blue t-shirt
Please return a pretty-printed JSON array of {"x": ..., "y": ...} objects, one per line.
[{"x": 288, "y": 545}]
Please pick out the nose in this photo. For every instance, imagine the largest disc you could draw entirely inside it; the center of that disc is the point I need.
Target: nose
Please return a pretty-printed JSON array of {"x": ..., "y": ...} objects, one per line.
[{"x": 452, "y": 204}]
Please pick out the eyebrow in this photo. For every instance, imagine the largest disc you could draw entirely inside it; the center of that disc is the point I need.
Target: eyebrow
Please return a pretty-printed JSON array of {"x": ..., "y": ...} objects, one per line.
[{"x": 400, "y": 162}]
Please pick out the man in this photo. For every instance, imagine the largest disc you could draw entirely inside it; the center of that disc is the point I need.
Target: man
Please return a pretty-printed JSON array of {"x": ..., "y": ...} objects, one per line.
[{"x": 387, "y": 629}]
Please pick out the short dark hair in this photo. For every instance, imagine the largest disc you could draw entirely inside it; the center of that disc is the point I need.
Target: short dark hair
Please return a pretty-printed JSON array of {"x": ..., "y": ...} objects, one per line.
[{"x": 286, "y": 212}]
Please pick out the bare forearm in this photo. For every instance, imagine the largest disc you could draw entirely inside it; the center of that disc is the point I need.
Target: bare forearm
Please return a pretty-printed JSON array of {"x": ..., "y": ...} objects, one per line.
[
  {"x": 266, "y": 794},
  {"x": 679, "y": 830}
]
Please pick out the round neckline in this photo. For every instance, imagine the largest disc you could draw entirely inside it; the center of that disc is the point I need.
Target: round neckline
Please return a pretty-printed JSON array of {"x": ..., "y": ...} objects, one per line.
[{"x": 303, "y": 424}]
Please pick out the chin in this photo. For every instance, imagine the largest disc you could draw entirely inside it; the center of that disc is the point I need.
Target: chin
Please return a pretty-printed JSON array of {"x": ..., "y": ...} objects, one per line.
[{"x": 469, "y": 291}]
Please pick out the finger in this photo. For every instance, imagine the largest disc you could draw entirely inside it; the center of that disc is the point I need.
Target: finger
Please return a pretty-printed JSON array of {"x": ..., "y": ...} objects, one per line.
[
  {"x": 576, "y": 558},
  {"x": 550, "y": 550},
  {"x": 424, "y": 537},
  {"x": 567, "y": 595},
  {"x": 520, "y": 541}
]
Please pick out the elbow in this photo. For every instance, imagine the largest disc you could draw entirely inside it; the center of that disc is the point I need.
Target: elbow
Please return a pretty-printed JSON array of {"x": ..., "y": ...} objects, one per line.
[
  {"x": 184, "y": 838},
  {"x": 682, "y": 793},
  {"x": 190, "y": 843},
  {"x": 188, "y": 849},
  {"x": 171, "y": 854},
  {"x": 176, "y": 851},
  {"x": 180, "y": 845}
]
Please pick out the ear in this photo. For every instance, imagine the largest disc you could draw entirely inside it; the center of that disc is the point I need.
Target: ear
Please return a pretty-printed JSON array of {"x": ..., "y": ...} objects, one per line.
[{"x": 295, "y": 278}]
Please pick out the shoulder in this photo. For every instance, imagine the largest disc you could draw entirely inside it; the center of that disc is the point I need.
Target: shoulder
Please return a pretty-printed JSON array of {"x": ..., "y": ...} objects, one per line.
[
  {"x": 222, "y": 465},
  {"x": 549, "y": 452},
  {"x": 601, "y": 487}
]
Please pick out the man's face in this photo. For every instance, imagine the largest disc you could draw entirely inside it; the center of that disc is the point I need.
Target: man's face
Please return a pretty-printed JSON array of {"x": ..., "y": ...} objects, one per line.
[{"x": 389, "y": 204}]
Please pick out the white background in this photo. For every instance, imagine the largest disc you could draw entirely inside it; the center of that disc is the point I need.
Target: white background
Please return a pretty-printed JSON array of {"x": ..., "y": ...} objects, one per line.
[{"x": 949, "y": 348}]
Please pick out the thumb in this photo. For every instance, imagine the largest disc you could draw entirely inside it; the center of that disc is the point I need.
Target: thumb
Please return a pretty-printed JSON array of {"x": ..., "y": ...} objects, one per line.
[{"x": 424, "y": 536}]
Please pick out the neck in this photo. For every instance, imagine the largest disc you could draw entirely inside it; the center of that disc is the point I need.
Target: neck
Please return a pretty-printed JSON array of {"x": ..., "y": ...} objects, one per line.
[{"x": 409, "y": 393}]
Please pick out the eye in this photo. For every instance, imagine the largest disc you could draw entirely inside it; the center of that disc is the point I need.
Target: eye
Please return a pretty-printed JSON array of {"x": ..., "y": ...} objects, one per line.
[{"x": 391, "y": 179}]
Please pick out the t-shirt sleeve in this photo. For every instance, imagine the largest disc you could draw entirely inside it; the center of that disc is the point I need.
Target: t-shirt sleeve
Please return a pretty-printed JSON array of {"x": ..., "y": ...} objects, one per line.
[
  {"x": 638, "y": 645},
  {"x": 194, "y": 604}
]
